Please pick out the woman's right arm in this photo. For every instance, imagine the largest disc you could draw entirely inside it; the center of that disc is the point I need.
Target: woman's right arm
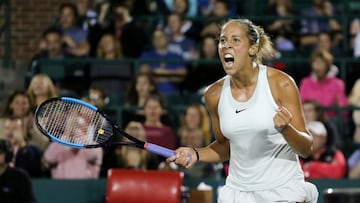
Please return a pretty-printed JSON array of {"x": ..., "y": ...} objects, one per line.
[{"x": 217, "y": 151}]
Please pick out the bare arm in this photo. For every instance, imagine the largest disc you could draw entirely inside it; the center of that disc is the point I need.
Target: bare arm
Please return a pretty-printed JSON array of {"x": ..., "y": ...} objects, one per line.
[
  {"x": 290, "y": 118},
  {"x": 217, "y": 151},
  {"x": 81, "y": 49}
]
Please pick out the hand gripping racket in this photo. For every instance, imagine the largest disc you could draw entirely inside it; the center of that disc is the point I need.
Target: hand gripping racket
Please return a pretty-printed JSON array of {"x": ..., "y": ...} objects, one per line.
[{"x": 78, "y": 124}]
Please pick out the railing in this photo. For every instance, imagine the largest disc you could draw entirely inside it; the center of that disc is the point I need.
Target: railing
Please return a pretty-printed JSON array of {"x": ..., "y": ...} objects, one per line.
[{"x": 348, "y": 66}]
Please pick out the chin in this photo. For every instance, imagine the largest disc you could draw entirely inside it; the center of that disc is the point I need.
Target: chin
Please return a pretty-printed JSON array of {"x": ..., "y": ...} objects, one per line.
[{"x": 230, "y": 71}]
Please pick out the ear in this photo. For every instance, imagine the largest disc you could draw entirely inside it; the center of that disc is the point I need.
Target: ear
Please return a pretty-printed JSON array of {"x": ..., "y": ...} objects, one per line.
[{"x": 253, "y": 50}]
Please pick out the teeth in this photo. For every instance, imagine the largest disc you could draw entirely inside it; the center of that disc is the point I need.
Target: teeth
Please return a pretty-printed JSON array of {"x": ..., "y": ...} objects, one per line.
[{"x": 228, "y": 56}]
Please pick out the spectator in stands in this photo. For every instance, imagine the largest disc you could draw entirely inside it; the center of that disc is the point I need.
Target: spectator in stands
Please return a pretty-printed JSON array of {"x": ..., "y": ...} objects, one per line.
[
  {"x": 321, "y": 85},
  {"x": 71, "y": 163},
  {"x": 132, "y": 37},
  {"x": 156, "y": 130},
  {"x": 325, "y": 42},
  {"x": 168, "y": 74},
  {"x": 15, "y": 184},
  {"x": 87, "y": 15},
  {"x": 130, "y": 157},
  {"x": 354, "y": 100},
  {"x": 220, "y": 13},
  {"x": 109, "y": 47},
  {"x": 76, "y": 44},
  {"x": 207, "y": 7},
  {"x": 18, "y": 105},
  {"x": 178, "y": 42},
  {"x": 196, "y": 117},
  {"x": 189, "y": 27},
  {"x": 140, "y": 88},
  {"x": 188, "y": 7},
  {"x": 97, "y": 96},
  {"x": 195, "y": 80},
  {"x": 283, "y": 29},
  {"x": 25, "y": 155},
  {"x": 54, "y": 49},
  {"x": 313, "y": 111},
  {"x": 74, "y": 37},
  {"x": 40, "y": 89},
  {"x": 326, "y": 160},
  {"x": 319, "y": 17}
]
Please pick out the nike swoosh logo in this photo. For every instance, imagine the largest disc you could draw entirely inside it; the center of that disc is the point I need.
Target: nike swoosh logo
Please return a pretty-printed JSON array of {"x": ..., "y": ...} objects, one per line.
[{"x": 238, "y": 111}]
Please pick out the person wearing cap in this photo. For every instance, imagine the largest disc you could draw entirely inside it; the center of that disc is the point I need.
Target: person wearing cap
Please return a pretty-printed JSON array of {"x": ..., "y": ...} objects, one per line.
[{"x": 326, "y": 160}]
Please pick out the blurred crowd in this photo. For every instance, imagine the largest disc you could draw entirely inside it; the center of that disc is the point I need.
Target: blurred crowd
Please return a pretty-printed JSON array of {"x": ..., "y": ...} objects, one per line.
[{"x": 181, "y": 32}]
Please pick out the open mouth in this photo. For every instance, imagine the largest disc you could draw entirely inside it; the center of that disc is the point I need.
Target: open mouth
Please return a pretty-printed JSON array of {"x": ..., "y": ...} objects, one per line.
[{"x": 229, "y": 60}]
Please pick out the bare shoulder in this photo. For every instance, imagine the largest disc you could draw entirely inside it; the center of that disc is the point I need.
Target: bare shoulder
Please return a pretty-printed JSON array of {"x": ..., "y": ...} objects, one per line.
[
  {"x": 213, "y": 91},
  {"x": 280, "y": 79},
  {"x": 281, "y": 84}
]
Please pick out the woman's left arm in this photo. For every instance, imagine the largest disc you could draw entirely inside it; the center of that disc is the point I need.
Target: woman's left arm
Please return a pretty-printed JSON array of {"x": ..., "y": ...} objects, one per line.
[{"x": 289, "y": 119}]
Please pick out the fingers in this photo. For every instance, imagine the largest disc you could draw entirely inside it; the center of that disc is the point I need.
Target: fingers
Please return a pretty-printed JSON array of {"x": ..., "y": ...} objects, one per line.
[
  {"x": 183, "y": 157},
  {"x": 282, "y": 118}
]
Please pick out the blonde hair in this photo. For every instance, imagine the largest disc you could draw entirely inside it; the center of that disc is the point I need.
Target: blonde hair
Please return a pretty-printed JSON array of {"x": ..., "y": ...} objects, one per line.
[
  {"x": 205, "y": 126},
  {"x": 257, "y": 36},
  {"x": 50, "y": 85},
  {"x": 354, "y": 97}
]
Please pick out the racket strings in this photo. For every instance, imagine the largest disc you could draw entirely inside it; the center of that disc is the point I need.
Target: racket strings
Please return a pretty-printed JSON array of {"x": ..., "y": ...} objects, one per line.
[{"x": 75, "y": 123}]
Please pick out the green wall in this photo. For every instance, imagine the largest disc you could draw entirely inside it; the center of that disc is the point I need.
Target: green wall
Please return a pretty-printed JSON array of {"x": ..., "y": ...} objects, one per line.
[{"x": 93, "y": 191}]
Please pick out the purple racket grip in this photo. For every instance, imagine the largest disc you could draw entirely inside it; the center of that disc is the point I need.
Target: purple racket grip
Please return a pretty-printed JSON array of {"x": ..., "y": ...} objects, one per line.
[{"x": 156, "y": 149}]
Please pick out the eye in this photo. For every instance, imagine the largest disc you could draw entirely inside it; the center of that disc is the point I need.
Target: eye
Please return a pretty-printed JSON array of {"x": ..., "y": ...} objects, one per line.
[
  {"x": 222, "y": 41},
  {"x": 236, "y": 40}
]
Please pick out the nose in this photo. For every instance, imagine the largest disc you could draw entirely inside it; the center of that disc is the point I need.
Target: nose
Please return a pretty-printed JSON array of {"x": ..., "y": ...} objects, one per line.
[{"x": 227, "y": 45}]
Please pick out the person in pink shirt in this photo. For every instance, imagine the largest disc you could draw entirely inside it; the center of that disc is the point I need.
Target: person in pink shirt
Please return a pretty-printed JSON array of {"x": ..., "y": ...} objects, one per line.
[
  {"x": 322, "y": 85},
  {"x": 71, "y": 163},
  {"x": 156, "y": 131}
]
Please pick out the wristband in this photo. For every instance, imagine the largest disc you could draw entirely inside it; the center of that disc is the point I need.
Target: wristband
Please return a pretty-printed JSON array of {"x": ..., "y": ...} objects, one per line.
[{"x": 197, "y": 154}]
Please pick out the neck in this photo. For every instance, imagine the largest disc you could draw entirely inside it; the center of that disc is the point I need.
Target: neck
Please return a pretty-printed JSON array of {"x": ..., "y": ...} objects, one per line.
[
  {"x": 110, "y": 55},
  {"x": 162, "y": 50},
  {"x": 245, "y": 78},
  {"x": 153, "y": 123}
]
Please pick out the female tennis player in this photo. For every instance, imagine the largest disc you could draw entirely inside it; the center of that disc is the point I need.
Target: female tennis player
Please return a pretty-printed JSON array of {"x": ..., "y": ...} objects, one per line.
[{"x": 258, "y": 122}]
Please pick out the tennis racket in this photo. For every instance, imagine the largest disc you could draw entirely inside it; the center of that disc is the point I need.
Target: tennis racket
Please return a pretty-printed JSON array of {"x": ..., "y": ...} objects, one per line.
[{"x": 78, "y": 124}]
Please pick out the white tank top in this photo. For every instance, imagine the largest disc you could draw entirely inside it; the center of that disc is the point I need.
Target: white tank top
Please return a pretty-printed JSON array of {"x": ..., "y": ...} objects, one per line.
[{"x": 260, "y": 159}]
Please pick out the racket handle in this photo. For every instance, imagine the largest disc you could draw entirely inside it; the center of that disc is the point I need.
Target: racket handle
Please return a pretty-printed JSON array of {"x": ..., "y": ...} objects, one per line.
[{"x": 156, "y": 149}]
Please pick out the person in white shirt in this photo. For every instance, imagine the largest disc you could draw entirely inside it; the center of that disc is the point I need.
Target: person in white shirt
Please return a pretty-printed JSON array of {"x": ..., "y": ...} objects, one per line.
[{"x": 258, "y": 122}]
